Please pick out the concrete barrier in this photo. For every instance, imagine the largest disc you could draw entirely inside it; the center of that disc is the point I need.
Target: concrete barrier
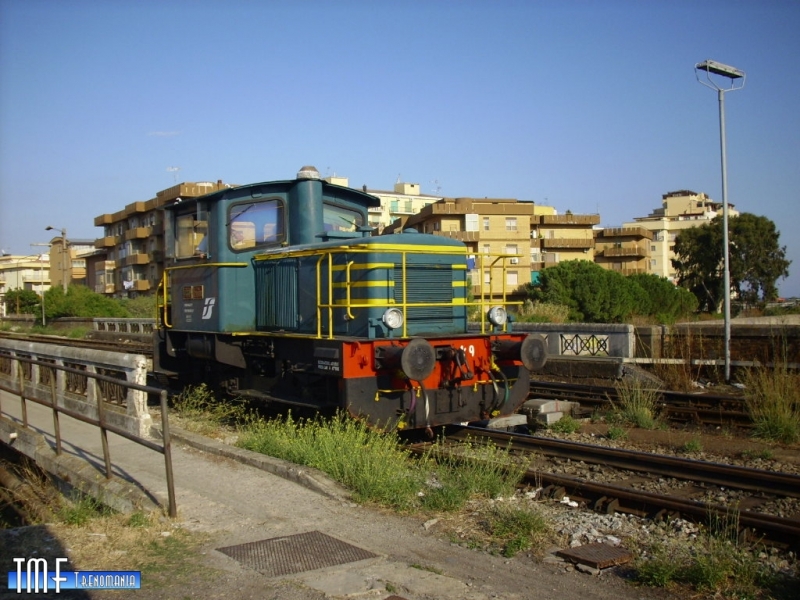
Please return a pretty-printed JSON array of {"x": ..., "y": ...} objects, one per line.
[{"x": 123, "y": 407}]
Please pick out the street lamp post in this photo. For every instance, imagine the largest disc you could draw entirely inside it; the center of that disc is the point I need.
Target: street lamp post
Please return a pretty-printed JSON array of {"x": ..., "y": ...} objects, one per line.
[
  {"x": 734, "y": 75},
  {"x": 64, "y": 282}
]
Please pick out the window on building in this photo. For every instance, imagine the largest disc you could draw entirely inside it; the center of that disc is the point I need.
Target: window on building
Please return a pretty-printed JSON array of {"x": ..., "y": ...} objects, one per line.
[
  {"x": 409, "y": 206},
  {"x": 652, "y": 262},
  {"x": 470, "y": 222},
  {"x": 511, "y": 223},
  {"x": 512, "y": 278},
  {"x": 511, "y": 248},
  {"x": 393, "y": 205},
  {"x": 486, "y": 223},
  {"x": 487, "y": 248},
  {"x": 487, "y": 277},
  {"x": 652, "y": 248}
]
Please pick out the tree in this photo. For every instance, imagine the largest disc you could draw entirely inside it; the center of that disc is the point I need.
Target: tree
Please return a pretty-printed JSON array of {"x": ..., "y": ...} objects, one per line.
[
  {"x": 756, "y": 260},
  {"x": 80, "y": 301},
  {"x": 22, "y": 302},
  {"x": 592, "y": 293},
  {"x": 662, "y": 299}
]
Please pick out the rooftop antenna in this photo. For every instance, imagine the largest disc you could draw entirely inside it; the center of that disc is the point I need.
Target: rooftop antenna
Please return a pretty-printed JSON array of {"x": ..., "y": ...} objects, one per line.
[
  {"x": 174, "y": 171},
  {"x": 399, "y": 178},
  {"x": 436, "y": 187}
]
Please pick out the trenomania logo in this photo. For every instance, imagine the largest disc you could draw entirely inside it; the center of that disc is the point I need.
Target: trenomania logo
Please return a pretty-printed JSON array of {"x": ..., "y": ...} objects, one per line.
[{"x": 36, "y": 578}]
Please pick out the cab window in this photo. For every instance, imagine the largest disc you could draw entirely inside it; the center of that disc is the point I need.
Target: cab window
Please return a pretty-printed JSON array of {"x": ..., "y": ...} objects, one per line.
[
  {"x": 256, "y": 224},
  {"x": 338, "y": 218},
  {"x": 190, "y": 235}
]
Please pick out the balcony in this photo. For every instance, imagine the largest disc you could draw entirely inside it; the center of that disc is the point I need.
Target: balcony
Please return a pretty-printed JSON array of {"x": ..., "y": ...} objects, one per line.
[
  {"x": 568, "y": 243},
  {"x": 138, "y": 233},
  {"x": 135, "y": 207},
  {"x": 106, "y": 242},
  {"x": 106, "y": 219},
  {"x": 638, "y": 251},
  {"x": 135, "y": 259},
  {"x": 630, "y": 232},
  {"x": 570, "y": 219},
  {"x": 141, "y": 285}
]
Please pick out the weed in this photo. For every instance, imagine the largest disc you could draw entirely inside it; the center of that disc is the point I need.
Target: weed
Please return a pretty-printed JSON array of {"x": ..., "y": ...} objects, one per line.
[
  {"x": 692, "y": 446},
  {"x": 201, "y": 412},
  {"x": 514, "y": 529},
  {"x": 659, "y": 569},
  {"x": 773, "y": 401},
  {"x": 565, "y": 424},
  {"x": 81, "y": 510},
  {"x": 426, "y": 568},
  {"x": 138, "y": 519},
  {"x": 541, "y": 312},
  {"x": 370, "y": 463},
  {"x": 764, "y": 454},
  {"x": 390, "y": 587},
  {"x": 636, "y": 403},
  {"x": 616, "y": 433}
]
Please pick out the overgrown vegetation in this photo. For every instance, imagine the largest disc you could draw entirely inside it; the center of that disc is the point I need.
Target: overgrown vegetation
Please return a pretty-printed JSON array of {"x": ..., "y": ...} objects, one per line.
[
  {"x": 636, "y": 403},
  {"x": 773, "y": 401},
  {"x": 715, "y": 563},
  {"x": 79, "y": 301},
  {"x": 378, "y": 469}
]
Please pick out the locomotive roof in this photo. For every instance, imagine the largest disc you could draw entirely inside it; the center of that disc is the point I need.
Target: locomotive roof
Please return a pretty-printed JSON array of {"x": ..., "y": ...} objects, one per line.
[{"x": 329, "y": 190}]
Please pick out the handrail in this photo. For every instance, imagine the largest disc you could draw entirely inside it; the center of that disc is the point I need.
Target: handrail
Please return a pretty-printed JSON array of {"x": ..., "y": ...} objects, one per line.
[
  {"x": 347, "y": 303},
  {"x": 165, "y": 448}
]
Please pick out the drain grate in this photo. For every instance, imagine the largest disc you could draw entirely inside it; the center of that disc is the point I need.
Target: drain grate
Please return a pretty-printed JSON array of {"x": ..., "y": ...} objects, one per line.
[
  {"x": 295, "y": 553},
  {"x": 597, "y": 555}
]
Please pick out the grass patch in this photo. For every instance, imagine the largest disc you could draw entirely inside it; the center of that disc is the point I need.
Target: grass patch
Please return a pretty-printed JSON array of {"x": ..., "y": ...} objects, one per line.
[
  {"x": 81, "y": 509},
  {"x": 513, "y": 529},
  {"x": 616, "y": 433},
  {"x": 370, "y": 463},
  {"x": 636, "y": 403},
  {"x": 773, "y": 401},
  {"x": 198, "y": 410},
  {"x": 376, "y": 468},
  {"x": 692, "y": 446},
  {"x": 765, "y": 454},
  {"x": 566, "y": 425},
  {"x": 713, "y": 564}
]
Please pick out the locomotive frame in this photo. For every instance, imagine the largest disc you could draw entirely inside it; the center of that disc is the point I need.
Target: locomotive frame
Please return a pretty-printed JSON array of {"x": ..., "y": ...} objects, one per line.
[{"x": 278, "y": 291}]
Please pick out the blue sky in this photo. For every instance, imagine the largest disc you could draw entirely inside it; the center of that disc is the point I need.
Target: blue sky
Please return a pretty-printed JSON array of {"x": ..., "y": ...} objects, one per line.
[{"x": 587, "y": 106}]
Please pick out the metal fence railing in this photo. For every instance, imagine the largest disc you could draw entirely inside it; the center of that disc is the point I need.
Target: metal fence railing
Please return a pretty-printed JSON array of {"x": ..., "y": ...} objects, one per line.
[{"x": 47, "y": 376}]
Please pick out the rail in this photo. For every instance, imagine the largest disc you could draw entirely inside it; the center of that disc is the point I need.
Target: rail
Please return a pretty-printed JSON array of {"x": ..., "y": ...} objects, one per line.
[{"x": 47, "y": 375}]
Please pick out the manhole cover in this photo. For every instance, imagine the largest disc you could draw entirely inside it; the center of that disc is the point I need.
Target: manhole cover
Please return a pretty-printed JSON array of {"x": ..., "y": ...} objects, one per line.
[
  {"x": 295, "y": 553},
  {"x": 597, "y": 555}
]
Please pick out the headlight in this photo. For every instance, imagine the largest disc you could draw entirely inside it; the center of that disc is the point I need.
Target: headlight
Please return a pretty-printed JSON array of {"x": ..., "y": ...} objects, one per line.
[
  {"x": 497, "y": 316},
  {"x": 393, "y": 318}
]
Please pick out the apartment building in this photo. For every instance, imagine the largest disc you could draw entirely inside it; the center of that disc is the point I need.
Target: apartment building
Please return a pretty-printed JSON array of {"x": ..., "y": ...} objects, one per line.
[
  {"x": 623, "y": 249},
  {"x": 679, "y": 210},
  {"x": 509, "y": 241},
  {"x": 69, "y": 264},
  {"x": 23, "y": 273},
  {"x": 133, "y": 242},
  {"x": 404, "y": 200}
]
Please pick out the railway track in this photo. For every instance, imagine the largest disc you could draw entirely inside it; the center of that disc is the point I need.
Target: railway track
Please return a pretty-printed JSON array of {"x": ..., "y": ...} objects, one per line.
[
  {"x": 121, "y": 344},
  {"x": 623, "y": 493},
  {"x": 710, "y": 409}
]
